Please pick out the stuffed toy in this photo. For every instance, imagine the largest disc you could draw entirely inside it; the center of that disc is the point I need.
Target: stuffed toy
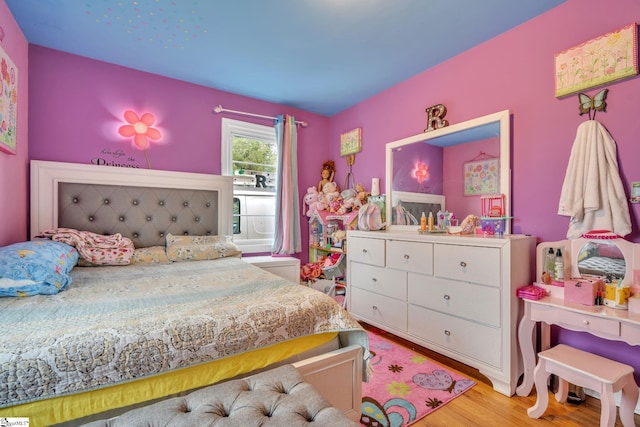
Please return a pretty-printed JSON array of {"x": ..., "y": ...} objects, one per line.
[
  {"x": 335, "y": 204},
  {"x": 332, "y": 196},
  {"x": 311, "y": 200},
  {"x": 348, "y": 205},
  {"x": 363, "y": 195},
  {"x": 323, "y": 203}
]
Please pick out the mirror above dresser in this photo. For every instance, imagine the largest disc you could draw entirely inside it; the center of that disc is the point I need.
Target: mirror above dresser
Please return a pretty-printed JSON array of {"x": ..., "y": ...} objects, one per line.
[{"x": 443, "y": 154}]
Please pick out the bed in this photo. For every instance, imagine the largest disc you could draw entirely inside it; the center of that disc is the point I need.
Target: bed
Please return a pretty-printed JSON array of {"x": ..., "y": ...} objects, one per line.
[{"x": 121, "y": 336}]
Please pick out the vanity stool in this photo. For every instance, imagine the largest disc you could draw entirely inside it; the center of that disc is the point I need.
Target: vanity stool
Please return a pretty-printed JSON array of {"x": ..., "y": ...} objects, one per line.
[{"x": 586, "y": 370}]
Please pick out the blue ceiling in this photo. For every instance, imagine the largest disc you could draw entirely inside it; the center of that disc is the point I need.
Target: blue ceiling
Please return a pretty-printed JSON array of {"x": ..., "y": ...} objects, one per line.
[{"x": 321, "y": 56}]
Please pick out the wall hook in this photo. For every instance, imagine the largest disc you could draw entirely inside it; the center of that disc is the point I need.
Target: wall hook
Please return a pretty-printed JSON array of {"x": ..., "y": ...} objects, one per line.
[{"x": 595, "y": 103}]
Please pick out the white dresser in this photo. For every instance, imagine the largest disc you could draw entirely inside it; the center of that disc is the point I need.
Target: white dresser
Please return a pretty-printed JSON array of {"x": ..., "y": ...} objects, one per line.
[{"x": 455, "y": 295}]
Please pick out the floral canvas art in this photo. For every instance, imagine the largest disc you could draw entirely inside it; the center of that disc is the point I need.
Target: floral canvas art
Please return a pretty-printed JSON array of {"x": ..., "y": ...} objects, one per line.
[
  {"x": 8, "y": 103},
  {"x": 481, "y": 177},
  {"x": 610, "y": 57},
  {"x": 351, "y": 142}
]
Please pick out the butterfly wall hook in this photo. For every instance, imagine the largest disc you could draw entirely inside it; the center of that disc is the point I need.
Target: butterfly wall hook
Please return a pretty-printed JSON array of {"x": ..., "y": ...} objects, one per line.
[{"x": 595, "y": 103}]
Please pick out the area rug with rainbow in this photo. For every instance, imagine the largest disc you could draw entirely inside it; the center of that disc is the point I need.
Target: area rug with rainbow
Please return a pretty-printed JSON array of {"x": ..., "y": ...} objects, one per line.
[{"x": 405, "y": 386}]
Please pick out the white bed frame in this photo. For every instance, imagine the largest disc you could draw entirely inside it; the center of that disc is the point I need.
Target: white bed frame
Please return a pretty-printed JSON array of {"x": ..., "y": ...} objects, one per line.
[{"x": 337, "y": 375}]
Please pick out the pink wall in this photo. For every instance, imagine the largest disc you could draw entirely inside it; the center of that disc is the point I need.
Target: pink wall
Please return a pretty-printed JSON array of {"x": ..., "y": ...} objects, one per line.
[
  {"x": 515, "y": 71},
  {"x": 13, "y": 168},
  {"x": 80, "y": 105}
]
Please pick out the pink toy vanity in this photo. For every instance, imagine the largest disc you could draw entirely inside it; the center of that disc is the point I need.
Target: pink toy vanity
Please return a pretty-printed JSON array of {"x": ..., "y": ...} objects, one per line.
[{"x": 593, "y": 255}]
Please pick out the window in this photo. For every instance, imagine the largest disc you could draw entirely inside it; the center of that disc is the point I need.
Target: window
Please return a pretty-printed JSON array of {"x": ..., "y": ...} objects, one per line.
[{"x": 250, "y": 155}]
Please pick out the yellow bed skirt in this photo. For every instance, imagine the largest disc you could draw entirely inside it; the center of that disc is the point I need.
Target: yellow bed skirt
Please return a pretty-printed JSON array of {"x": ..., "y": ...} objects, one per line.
[{"x": 59, "y": 409}]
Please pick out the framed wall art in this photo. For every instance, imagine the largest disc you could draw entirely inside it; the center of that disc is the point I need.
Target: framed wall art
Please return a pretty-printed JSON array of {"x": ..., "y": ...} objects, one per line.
[
  {"x": 351, "y": 142},
  {"x": 8, "y": 103},
  {"x": 481, "y": 177},
  {"x": 612, "y": 56}
]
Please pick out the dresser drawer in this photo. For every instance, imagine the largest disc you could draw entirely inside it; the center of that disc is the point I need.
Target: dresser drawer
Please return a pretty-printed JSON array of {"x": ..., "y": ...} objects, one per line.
[
  {"x": 469, "y": 339},
  {"x": 366, "y": 250},
  {"x": 468, "y": 263},
  {"x": 473, "y": 302},
  {"x": 575, "y": 321},
  {"x": 410, "y": 256},
  {"x": 378, "y": 308},
  {"x": 384, "y": 281}
]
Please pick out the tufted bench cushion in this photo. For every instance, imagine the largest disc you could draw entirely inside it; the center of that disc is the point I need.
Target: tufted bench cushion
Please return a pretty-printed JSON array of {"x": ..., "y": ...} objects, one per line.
[{"x": 278, "y": 397}]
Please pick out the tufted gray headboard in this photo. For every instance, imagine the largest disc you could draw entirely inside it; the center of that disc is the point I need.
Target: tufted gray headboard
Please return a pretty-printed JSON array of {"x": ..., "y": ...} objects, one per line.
[{"x": 141, "y": 204}]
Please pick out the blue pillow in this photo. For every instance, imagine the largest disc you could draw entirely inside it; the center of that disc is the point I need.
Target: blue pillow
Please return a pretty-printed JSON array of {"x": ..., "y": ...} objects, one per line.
[{"x": 39, "y": 266}]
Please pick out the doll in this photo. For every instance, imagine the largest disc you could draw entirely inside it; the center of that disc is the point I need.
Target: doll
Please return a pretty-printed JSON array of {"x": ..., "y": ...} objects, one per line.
[{"x": 328, "y": 172}]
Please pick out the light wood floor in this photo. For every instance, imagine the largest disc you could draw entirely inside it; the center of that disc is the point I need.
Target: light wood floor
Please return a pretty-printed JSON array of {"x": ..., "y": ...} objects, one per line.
[{"x": 482, "y": 406}]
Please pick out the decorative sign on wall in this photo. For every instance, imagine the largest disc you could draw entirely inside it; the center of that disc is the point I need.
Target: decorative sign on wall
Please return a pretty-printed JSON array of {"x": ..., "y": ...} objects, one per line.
[
  {"x": 481, "y": 177},
  {"x": 351, "y": 142},
  {"x": 435, "y": 117},
  {"x": 612, "y": 56},
  {"x": 8, "y": 103}
]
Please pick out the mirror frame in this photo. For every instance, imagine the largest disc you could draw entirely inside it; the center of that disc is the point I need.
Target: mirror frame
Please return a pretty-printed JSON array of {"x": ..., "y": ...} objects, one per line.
[{"x": 468, "y": 131}]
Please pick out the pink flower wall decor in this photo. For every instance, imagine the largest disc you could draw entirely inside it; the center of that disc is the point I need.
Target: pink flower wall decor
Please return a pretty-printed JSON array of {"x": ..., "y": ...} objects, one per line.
[
  {"x": 140, "y": 129},
  {"x": 421, "y": 172}
]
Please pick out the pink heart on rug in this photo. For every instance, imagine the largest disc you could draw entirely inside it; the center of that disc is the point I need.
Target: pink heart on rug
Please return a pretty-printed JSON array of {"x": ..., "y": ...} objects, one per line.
[
  {"x": 438, "y": 380},
  {"x": 441, "y": 380},
  {"x": 462, "y": 385}
]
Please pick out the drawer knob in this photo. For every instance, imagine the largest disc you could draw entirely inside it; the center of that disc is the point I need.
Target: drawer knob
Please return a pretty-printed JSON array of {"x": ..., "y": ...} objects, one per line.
[
  {"x": 447, "y": 333},
  {"x": 586, "y": 322},
  {"x": 406, "y": 256},
  {"x": 375, "y": 307},
  {"x": 447, "y": 297},
  {"x": 364, "y": 251},
  {"x": 374, "y": 280},
  {"x": 463, "y": 264}
]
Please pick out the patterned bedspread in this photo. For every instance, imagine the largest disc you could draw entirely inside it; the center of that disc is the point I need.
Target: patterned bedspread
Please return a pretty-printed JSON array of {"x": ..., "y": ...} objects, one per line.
[{"x": 117, "y": 324}]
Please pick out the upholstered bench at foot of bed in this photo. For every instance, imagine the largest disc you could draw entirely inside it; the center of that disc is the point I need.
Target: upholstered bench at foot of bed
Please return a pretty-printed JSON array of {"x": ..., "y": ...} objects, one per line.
[{"x": 278, "y": 397}]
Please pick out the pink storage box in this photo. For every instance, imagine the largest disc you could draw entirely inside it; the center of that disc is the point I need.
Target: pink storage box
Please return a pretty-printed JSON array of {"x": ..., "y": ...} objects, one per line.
[{"x": 583, "y": 290}]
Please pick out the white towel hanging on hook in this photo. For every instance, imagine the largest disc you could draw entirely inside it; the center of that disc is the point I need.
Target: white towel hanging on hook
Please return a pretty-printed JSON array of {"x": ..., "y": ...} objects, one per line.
[{"x": 592, "y": 192}]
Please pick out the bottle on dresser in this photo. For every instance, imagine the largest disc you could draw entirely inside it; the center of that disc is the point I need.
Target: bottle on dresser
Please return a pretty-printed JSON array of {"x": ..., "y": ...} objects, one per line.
[
  {"x": 559, "y": 266},
  {"x": 550, "y": 263}
]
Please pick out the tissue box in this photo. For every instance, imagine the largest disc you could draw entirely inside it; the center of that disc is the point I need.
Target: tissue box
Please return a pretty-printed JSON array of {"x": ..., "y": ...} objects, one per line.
[{"x": 583, "y": 290}]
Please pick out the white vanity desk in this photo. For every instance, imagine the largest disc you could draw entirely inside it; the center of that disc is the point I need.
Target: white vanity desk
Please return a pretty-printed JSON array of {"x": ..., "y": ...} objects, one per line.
[{"x": 601, "y": 321}]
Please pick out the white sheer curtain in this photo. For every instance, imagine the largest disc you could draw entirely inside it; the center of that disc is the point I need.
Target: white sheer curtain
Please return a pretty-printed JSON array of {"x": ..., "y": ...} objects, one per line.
[{"x": 287, "y": 239}]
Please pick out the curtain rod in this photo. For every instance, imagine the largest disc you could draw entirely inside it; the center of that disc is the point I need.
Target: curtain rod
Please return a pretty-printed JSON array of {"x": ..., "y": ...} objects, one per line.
[{"x": 219, "y": 109}]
